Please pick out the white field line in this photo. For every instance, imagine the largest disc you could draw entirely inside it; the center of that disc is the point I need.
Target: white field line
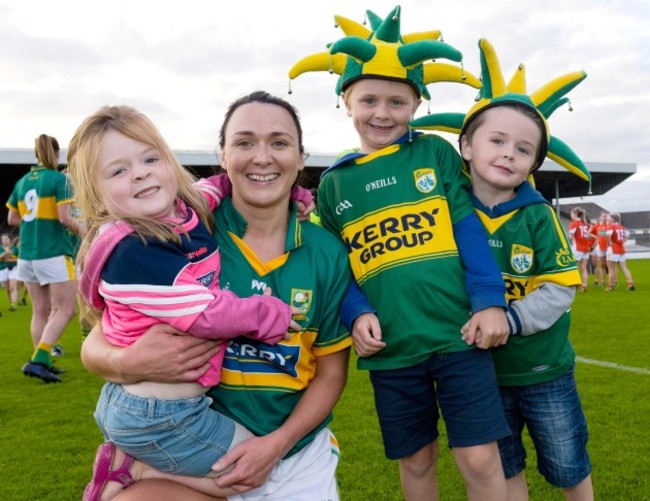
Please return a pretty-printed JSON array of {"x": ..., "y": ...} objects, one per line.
[{"x": 612, "y": 365}]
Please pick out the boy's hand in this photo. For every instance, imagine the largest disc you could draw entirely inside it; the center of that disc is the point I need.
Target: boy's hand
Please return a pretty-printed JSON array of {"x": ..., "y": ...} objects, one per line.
[
  {"x": 487, "y": 328},
  {"x": 366, "y": 335},
  {"x": 304, "y": 210}
]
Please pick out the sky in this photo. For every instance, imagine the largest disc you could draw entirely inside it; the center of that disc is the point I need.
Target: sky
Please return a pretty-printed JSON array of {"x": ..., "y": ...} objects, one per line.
[{"x": 183, "y": 62}]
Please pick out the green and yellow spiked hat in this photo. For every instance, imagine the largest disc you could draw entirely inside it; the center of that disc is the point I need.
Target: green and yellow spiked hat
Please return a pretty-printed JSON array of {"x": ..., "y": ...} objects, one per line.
[
  {"x": 494, "y": 92},
  {"x": 381, "y": 52}
]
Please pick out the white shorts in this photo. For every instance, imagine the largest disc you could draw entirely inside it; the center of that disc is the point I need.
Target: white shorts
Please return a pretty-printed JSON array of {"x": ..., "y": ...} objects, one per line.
[
  {"x": 615, "y": 258},
  {"x": 7, "y": 274},
  {"x": 600, "y": 253},
  {"x": 580, "y": 256},
  {"x": 307, "y": 475},
  {"x": 46, "y": 271}
]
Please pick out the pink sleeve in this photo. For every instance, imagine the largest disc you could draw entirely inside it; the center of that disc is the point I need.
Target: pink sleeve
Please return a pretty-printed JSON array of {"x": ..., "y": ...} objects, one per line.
[
  {"x": 261, "y": 317},
  {"x": 302, "y": 195},
  {"x": 214, "y": 188}
]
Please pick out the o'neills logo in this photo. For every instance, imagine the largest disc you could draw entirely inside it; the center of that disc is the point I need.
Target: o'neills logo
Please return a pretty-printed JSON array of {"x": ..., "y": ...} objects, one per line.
[{"x": 399, "y": 234}]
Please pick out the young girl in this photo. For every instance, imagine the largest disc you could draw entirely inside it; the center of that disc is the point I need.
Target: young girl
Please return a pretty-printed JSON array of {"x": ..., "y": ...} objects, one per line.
[
  {"x": 582, "y": 241},
  {"x": 617, "y": 235},
  {"x": 149, "y": 257}
]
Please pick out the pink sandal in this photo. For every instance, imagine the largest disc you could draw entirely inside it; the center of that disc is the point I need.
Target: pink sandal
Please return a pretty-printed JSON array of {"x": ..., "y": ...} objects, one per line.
[{"x": 102, "y": 472}]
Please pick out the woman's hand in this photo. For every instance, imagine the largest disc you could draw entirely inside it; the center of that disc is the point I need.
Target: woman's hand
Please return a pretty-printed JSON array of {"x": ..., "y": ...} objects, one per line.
[
  {"x": 162, "y": 354},
  {"x": 253, "y": 461}
]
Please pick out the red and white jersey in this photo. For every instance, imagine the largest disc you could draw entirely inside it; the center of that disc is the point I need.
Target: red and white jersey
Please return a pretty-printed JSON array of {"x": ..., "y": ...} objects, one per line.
[
  {"x": 599, "y": 230},
  {"x": 580, "y": 235},
  {"x": 618, "y": 234}
]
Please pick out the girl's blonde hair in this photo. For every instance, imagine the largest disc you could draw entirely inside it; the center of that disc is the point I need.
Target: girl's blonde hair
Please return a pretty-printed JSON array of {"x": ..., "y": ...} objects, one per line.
[
  {"x": 83, "y": 169},
  {"x": 46, "y": 149}
]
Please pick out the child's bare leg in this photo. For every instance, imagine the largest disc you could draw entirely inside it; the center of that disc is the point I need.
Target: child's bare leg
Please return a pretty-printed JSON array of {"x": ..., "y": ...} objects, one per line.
[
  {"x": 517, "y": 488},
  {"x": 205, "y": 485},
  {"x": 140, "y": 471},
  {"x": 584, "y": 491},
  {"x": 162, "y": 490},
  {"x": 481, "y": 469},
  {"x": 418, "y": 474}
]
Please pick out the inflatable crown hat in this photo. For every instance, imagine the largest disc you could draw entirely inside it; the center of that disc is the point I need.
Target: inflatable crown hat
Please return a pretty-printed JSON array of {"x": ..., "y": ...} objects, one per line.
[
  {"x": 381, "y": 52},
  {"x": 495, "y": 92}
]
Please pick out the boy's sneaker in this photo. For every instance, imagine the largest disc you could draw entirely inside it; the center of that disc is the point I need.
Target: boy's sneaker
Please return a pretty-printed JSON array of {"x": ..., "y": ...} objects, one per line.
[
  {"x": 40, "y": 371},
  {"x": 57, "y": 351}
]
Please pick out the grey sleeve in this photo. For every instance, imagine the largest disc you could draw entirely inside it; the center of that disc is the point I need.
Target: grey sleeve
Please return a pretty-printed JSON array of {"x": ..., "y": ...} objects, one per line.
[{"x": 540, "y": 309}]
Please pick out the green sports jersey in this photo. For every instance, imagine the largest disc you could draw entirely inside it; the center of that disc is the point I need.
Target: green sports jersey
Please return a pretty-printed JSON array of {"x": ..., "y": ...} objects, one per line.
[
  {"x": 531, "y": 248},
  {"x": 394, "y": 209},
  {"x": 9, "y": 261},
  {"x": 36, "y": 198},
  {"x": 261, "y": 384}
]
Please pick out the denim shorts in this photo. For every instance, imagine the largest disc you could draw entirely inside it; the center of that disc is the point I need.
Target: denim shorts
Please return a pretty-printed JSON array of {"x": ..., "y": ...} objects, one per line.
[
  {"x": 555, "y": 421},
  {"x": 463, "y": 384},
  {"x": 185, "y": 437}
]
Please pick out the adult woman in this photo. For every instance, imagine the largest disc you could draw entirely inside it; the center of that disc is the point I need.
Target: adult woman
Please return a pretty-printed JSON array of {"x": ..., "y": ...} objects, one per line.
[
  {"x": 293, "y": 386},
  {"x": 40, "y": 205}
]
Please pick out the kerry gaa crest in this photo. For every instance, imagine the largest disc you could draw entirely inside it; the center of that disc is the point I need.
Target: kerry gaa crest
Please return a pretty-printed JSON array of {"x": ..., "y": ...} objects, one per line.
[
  {"x": 425, "y": 180},
  {"x": 521, "y": 258}
]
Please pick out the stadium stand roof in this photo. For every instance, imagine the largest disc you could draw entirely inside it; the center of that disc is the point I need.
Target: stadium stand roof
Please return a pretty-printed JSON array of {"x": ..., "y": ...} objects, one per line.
[{"x": 553, "y": 181}]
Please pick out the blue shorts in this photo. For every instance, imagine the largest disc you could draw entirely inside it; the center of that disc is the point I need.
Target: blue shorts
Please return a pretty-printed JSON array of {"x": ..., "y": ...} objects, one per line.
[
  {"x": 555, "y": 421},
  {"x": 463, "y": 384},
  {"x": 185, "y": 436}
]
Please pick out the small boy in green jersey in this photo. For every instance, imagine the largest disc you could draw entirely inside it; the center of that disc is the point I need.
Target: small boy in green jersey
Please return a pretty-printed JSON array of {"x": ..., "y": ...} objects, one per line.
[
  {"x": 503, "y": 139},
  {"x": 420, "y": 255}
]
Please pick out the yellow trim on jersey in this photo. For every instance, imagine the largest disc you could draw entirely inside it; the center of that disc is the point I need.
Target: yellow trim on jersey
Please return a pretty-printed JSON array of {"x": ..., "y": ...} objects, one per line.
[
  {"x": 567, "y": 278},
  {"x": 47, "y": 208},
  {"x": 518, "y": 287},
  {"x": 558, "y": 227},
  {"x": 388, "y": 150},
  {"x": 70, "y": 267},
  {"x": 66, "y": 201},
  {"x": 260, "y": 267},
  {"x": 492, "y": 225},
  {"x": 339, "y": 344}
]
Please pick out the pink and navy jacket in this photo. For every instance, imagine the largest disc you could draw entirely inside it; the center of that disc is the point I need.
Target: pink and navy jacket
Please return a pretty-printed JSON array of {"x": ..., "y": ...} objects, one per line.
[{"x": 138, "y": 284}]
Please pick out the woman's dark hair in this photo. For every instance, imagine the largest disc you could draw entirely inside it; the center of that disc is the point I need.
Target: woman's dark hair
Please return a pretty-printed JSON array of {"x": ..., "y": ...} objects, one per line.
[{"x": 263, "y": 97}]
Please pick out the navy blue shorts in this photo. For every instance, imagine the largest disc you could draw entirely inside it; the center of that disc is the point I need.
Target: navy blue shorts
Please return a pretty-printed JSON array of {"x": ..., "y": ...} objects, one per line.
[
  {"x": 463, "y": 385},
  {"x": 555, "y": 421}
]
